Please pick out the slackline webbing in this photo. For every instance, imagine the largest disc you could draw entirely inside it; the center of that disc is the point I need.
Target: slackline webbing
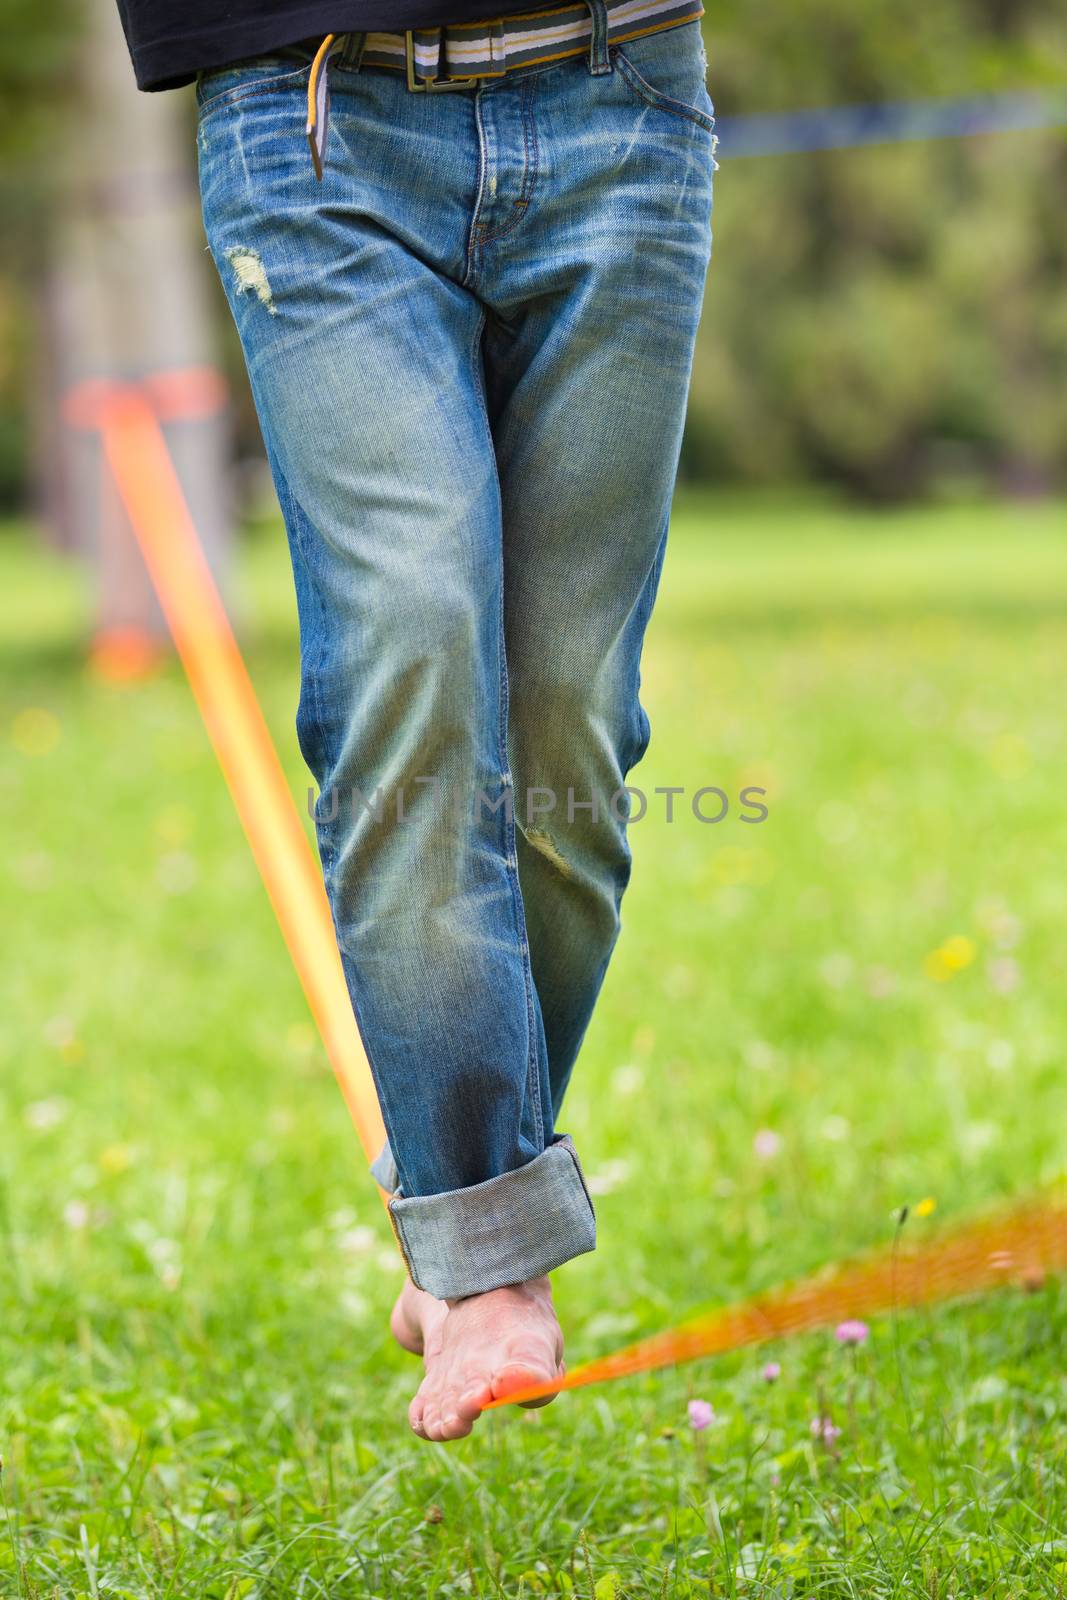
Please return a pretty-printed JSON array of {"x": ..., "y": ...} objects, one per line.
[
  {"x": 1018, "y": 1248},
  {"x": 850, "y": 127}
]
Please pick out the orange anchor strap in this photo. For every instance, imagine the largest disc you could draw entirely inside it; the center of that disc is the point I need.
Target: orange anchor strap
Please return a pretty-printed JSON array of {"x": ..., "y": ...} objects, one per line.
[{"x": 148, "y": 484}]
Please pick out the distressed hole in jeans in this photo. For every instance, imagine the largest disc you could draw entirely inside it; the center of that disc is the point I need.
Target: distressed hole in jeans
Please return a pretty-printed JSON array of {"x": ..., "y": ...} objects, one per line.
[
  {"x": 546, "y": 846},
  {"x": 251, "y": 275}
]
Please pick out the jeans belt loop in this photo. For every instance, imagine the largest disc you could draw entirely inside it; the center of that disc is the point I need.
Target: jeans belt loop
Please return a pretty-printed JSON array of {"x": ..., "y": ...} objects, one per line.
[
  {"x": 498, "y": 48},
  {"x": 599, "y": 59},
  {"x": 351, "y": 56}
]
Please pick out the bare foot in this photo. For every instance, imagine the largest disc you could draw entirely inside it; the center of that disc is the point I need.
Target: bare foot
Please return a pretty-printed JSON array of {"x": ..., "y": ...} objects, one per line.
[
  {"x": 415, "y": 1311},
  {"x": 476, "y": 1350}
]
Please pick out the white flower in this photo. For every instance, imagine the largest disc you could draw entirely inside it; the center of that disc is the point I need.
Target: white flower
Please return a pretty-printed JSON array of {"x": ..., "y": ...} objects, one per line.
[
  {"x": 176, "y": 872},
  {"x": 610, "y": 1176},
  {"x": 45, "y": 1114},
  {"x": 836, "y": 822},
  {"x": 58, "y": 1031},
  {"x": 627, "y": 1080},
  {"x": 357, "y": 1241},
  {"x": 835, "y": 970},
  {"x": 767, "y": 1144},
  {"x": 1003, "y": 973},
  {"x": 1000, "y": 1055},
  {"x": 760, "y": 1055}
]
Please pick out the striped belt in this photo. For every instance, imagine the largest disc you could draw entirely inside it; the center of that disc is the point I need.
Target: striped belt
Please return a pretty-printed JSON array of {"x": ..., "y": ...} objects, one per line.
[{"x": 461, "y": 55}]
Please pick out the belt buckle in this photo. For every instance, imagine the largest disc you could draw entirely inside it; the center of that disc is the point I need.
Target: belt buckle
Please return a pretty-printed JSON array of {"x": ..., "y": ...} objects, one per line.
[{"x": 430, "y": 85}]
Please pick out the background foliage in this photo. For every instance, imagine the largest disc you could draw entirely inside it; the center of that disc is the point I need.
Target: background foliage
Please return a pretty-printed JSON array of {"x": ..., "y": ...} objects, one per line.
[{"x": 893, "y": 320}]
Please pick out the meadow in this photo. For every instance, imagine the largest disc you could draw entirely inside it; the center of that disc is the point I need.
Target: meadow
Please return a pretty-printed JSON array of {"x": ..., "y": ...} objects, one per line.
[{"x": 855, "y": 1005}]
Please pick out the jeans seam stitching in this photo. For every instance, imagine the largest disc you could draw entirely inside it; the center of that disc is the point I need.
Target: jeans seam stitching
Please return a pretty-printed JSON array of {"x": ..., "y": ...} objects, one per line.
[
  {"x": 658, "y": 100},
  {"x": 405, "y": 1247},
  {"x": 229, "y": 97},
  {"x": 472, "y": 232},
  {"x": 326, "y": 850},
  {"x": 531, "y": 158},
  {"x": 510, "y": 848}
]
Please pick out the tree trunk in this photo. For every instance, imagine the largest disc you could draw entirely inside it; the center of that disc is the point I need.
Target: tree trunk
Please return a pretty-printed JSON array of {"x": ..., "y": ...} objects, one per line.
[{"x": 127, "y": 300}]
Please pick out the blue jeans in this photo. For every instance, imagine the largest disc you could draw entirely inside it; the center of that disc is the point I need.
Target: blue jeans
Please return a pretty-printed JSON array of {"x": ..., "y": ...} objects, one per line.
[{"x": 470, "y": 349}]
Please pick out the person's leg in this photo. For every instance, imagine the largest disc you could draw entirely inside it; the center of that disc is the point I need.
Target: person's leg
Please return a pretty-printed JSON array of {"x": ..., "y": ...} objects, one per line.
[
  {"x": 595, "y": 301},
  {"x": 386, "y": 478},
  {"x": 362, "y": 345},
  {"x": 594, "y": 298}
]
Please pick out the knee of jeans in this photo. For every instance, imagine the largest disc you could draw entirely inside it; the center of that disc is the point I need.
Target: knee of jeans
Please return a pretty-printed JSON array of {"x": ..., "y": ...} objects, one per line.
[
  {"x": 395, "y": 685},
  {"x": 570, "y": 732},
  {"x": 406, "y": 851},
  {"x": 577, "y": 832},
  {"x": 557, "y": 705},
  {"x": 584, "y": 845}
]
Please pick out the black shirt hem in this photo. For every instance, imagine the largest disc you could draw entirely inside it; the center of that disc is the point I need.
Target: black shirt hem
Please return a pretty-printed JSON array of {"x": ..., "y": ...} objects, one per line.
[{"x": 171, "y": 63}]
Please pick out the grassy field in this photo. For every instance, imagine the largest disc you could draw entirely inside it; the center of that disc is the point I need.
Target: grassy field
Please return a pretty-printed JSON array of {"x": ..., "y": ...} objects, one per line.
[{"x": 857, "y": 1004}]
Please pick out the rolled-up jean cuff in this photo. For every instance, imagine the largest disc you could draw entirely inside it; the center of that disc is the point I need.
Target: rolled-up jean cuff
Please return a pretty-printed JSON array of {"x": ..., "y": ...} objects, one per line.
[{"x": 507, "y": 1230}]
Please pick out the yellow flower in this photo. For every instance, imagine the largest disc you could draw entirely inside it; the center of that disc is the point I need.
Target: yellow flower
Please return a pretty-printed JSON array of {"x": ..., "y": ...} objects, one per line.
[
  {"x": 116, "y": 1158},
  {"x": 927, "y": 1207},
  {"x": 174, "y": 825},
  {"x": 949, "y": 958},
  {"x": 958, "y": 952}
]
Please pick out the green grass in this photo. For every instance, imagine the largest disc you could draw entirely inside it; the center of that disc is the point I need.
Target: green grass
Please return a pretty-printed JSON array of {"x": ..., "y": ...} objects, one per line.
[{"x": 197, "y": 1395}]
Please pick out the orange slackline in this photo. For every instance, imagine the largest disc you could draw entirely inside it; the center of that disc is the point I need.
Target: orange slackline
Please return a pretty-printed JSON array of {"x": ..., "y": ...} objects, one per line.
[
  {"x": 1019, "y": 1247},
  {"x": 144, "y": 473}
]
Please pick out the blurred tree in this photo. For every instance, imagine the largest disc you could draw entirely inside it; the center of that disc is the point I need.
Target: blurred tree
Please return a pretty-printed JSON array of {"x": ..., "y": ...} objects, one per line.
[
  {"x": 38, "y": 45},
  {"x": 102, "y": 278},
  {"x": 888, "y": 318},
  {"x": 127, "y": 296}
]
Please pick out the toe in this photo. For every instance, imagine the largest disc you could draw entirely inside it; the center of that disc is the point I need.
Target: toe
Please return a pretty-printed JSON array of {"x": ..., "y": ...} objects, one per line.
[
  {"x": 473, "y": 1401},
  {"x": 417, "y": 1411},
  {"x": 515, "y": 1378},
  {"x": 453, "y": 1426},
  {"x": 431, "y": 1423},
  {"x": 544, "y": 1399}
]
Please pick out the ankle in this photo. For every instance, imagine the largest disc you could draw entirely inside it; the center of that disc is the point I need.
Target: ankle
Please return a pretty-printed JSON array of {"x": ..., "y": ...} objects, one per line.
[{"x": 537, "y": 1289}]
